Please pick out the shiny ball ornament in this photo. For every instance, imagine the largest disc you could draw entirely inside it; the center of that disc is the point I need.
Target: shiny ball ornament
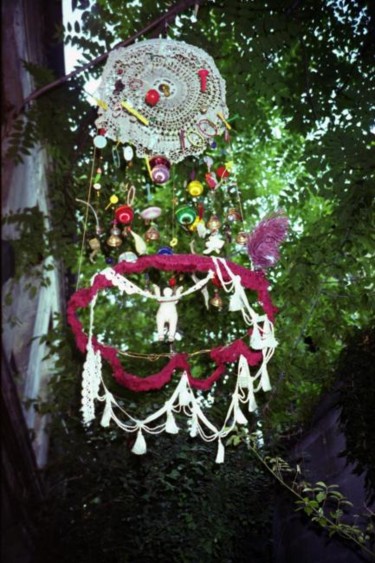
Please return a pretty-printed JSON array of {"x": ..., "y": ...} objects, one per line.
[
  {"x": 150, "y": 213},
  {"x": 128, "y": 153},
  {"x": 216, "y": 300},
  {"x": 214, "y": 223},
  {"x": 152, "y": 234},
  {"x": 241, "y": 238},
  {"x": 114, "y": 240},
  {"x": 100, "y": 142},
  {"x": 124, "y": 214},
  {"x": 233, "y": 215},
  {"x": 160, "y": 169},
  {"x": 186, "y": 216},
  {"x": 222, "y": 172},
  {"x": 128, "y": 257},
  {"x": 152, "y": 97},
  {"x": 195, "y": 188},
  {"x": 165, "y": 251}
]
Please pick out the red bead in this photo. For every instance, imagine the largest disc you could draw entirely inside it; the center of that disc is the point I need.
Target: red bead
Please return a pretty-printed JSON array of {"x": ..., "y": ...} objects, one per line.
[
  {"x": 152, "y": 97},
  {"x": 124, "y": 214},
  {"x": 102, "y": 132},
  {"x": 222, "y": 172},
  {"x": 172, "y": 282}
]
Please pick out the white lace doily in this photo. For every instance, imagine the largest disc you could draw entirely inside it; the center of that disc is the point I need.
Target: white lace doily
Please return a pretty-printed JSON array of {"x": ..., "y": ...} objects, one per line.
[{"x": 184, "y": 120}]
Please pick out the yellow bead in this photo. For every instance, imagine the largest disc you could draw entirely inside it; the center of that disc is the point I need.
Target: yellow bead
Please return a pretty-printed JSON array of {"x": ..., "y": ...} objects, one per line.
[{"x": 195, "y": 188}]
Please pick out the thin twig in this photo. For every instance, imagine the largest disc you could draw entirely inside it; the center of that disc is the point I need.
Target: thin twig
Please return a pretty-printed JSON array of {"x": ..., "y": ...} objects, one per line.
[{"x": 171, "y": 13}]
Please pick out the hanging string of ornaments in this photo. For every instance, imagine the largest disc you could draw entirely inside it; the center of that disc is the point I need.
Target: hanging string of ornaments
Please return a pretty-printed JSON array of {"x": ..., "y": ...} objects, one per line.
[{"x": 164, "y": 101}]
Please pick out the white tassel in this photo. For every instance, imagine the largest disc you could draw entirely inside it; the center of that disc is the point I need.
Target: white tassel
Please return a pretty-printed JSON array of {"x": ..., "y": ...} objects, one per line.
[
  {"x": 264, "y": 378},
  {"x": 171, "y": 426},
  {"x": 251, "y": 398},
  {"x": 255, "y": 339},
  {"x": 184, "y": 397},
  {"x": 194, "y": 427},
  {"x": 220, "y": 452},
  {"x": 268, "y": 338},
  {"x": 107, "y": 412},
  {"x": 240, "y": 418},
  {"x": 235, "y": 302},
  {"x": 140, "y": 446},
  {"x": 244, "y": 380},
  {"x": 139, "y": 243}
]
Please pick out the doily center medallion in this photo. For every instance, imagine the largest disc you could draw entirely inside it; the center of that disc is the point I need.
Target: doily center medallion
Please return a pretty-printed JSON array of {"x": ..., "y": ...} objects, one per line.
[{"x": 159, "y": 95}]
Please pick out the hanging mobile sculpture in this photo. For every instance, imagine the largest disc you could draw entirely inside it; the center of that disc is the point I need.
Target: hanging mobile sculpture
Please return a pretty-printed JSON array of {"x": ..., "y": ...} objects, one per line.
[{"x": 167, "y": 99}]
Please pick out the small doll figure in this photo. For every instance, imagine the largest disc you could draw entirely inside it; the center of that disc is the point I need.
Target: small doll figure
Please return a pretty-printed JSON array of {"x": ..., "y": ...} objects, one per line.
[
  {"x": 167, "y": 312},
  {"x": 214, "y": 243}
]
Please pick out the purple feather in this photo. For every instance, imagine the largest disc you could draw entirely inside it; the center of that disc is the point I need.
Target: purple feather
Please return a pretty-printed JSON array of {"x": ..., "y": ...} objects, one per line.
[{"x": 263, "y": 243}]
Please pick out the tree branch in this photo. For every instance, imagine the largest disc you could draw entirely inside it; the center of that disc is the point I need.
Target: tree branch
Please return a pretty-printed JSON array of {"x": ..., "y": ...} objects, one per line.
[{"x": 170, "y": 14}]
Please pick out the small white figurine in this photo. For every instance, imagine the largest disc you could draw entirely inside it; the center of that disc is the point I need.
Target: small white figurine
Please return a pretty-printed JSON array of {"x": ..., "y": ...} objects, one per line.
[
  {"x": 167, "y": 312},
  {"x": 214, "y": 243}
]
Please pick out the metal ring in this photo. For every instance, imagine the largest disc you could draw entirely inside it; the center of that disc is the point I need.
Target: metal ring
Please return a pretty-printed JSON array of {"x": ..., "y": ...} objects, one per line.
[
  {"x": 192, "y": 132},
  {"x": 211, "y": 124},
  {"x": 131, "y": 196}
]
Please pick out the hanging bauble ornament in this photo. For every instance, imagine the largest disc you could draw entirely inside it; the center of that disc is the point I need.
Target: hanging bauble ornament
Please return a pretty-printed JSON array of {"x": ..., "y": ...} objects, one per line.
[
  {"x": 124, "y": 214},
  {"x": 152, "y": 234},
  {"x": 128, "y": 257},
  {"x": 128, "y": 153},
  {"x": 233, "y": 215},
  {"x": 216, "y": 300},
  {"x": 187, "y": 82},
  {"x": 214, "y": 223},
  {"x": 165, "y": 251},
  {"x": 152, "y": 97},
  {"x": 114, "y": 240},
  {"x": 211, "y": 181},
  {"x": 186, "y": 215},
  {"x": 160, "y": 169},
  {"x": 222, "y": 172},
  {"x": 150, "y": 213},
  {"x": 242, "y": 238},
  {"x": 195, "y": 188},
  {"x": 100, "y": 142}
]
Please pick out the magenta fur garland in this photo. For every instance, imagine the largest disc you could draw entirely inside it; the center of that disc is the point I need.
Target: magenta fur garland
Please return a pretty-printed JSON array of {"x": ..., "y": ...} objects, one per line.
[{"x": 189, "y": 263}]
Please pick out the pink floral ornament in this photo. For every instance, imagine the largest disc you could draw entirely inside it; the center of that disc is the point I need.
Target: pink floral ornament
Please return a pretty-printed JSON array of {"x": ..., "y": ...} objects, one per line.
[{"x": 264, "y": 242}]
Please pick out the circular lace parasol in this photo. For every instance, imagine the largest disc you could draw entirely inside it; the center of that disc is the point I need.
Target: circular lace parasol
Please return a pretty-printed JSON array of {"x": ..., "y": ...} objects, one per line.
[{"x": 190, "y": 108}]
